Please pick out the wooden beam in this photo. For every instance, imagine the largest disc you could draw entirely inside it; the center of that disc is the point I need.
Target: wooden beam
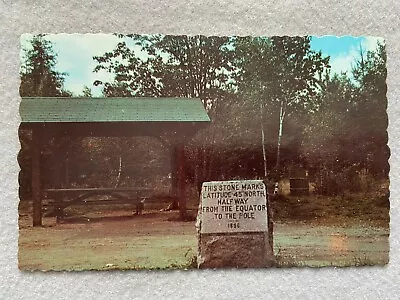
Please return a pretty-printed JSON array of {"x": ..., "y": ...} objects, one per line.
[
  {"x": 36, "y": 180},
  {"x": 105, "y": 190},
  {"x": 120, "y": 129},
  {"x": 178, "y": 132},
  {"x": 181, "y": 182}
]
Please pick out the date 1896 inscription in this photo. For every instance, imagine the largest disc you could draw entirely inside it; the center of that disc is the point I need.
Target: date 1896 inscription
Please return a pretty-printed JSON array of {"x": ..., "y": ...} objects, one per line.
[{"x": 233, "y": 206}]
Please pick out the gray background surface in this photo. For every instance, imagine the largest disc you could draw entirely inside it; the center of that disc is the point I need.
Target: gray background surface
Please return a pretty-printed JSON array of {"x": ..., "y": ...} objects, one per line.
[{"x": 362, "y": 17}]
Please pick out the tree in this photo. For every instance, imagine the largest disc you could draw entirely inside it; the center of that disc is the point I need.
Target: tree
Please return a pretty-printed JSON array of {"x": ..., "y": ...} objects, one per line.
[
  {"x": 370, "y": 77},
  {"x": 282, "y": 74},
  {"x": 39, "y": 76},
  {"x": 172, "y": 66},
  {"x": 346, "y": 135},
  {"x": 87, "y": 92},
  {"x": 325, "y": 143},
  {"x": 167, "y": 66},
  {"x": 250, "y": 52}
]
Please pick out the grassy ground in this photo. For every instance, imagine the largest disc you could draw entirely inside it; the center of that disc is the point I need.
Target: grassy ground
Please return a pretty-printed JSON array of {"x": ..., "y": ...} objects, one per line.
[
  {"x": 310, "y": 245},
  {"x": 308, "y": 231},
  {"x": 369, "y": 207}
]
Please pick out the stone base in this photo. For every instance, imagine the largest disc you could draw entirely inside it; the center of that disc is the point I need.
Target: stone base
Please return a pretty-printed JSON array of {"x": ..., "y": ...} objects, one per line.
[{"x": 240, "y": 250}]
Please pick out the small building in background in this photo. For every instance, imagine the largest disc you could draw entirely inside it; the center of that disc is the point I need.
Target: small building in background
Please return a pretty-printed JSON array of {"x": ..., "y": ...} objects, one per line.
[{"x": 299, "y": 183}]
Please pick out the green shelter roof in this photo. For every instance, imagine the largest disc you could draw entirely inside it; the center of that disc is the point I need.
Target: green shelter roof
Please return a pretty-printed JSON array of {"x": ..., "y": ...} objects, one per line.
[{"x": 62, "y": 110}]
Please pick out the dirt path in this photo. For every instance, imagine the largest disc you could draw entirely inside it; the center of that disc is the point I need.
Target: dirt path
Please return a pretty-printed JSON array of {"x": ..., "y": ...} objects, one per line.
[
  {"x": 124, "y": 242},
  {"x": 121, "y": 241}
]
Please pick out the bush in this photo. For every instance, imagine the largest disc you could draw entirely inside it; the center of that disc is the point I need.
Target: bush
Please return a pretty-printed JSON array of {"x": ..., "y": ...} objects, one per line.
[{"x": 333, "y": 183}]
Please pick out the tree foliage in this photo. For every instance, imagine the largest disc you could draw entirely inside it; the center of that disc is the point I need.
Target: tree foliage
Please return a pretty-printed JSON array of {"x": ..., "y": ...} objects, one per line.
[
  {"x": 273, "y": 104},
  {"x": 173, "y": 66},
  {"x": 348, "y": 131},
  {"x": 169, "y": 66},
  {"x": 39, "y": 76},
  {"x": 280, "y": 76},
  {"x": 270, "y": 99}
]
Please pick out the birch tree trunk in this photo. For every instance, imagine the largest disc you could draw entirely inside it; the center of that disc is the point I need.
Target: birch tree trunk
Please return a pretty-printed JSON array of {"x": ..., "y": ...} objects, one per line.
[
  {"x": 119, "y": 146},
  {"x": 119, "y": 171},
  {"x": 282, "y": 113},
  {"x": 263, "y": 141}
]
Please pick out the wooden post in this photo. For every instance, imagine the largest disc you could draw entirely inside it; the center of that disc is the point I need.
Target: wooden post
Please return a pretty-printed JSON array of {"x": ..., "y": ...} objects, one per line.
[
  {"x": 58, "y": 162},
  {"x": 270, "y": 218},
  {"x": 174, "y": 171},
  {"x": 199, "y": 168},
  {"x": 36, "y": 182},
  {"x": 181, "y": 181},
  {"x": 66, "y": 165}
]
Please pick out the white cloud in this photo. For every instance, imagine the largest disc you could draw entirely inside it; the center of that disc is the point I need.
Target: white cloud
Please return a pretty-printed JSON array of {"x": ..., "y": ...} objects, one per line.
[
  {"x": 76, "y": 51},
  {"x": 369, "y": 43},
  {"x": 344, "y": 62},
  {"x": 75, "y": 57}
]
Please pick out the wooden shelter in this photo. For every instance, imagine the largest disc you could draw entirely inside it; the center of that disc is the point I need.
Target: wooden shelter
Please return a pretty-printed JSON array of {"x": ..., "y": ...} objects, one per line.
[{"x": 110, "y": 117}]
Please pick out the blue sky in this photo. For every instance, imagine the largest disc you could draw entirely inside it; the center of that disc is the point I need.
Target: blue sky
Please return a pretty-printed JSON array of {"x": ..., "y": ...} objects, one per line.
[
  {"x": 75, "y": 52},
  {"x": 343, "y": 51}
]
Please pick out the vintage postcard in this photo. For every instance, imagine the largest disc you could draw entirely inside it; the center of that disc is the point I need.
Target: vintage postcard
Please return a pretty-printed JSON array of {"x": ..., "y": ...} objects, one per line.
[{"x": 185, "y": 152}]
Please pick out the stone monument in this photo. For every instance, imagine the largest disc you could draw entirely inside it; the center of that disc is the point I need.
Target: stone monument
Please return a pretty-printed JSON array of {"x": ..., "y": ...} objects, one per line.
[{"x": 232, "y": 225}]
